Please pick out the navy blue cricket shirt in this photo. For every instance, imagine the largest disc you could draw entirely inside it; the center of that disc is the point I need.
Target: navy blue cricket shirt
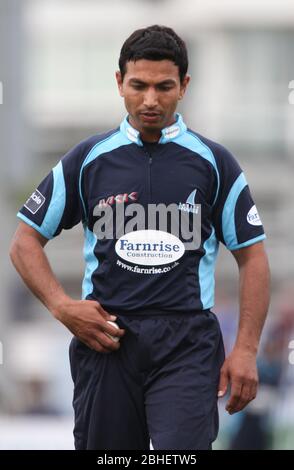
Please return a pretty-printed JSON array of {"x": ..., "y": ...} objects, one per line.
[{"x": 115, "y": 168}]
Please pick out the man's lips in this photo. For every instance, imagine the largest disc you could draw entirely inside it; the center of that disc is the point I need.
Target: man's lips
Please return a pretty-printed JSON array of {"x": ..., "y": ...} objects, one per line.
[
  {"x": 150, "y": 112},
  {"x": 150, "y": 115}
]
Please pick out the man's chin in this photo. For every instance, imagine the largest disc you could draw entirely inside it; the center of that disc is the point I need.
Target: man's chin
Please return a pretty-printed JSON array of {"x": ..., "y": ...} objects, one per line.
[
  {"x": 149, "y": 125},
  {"x": 154, "y": 121}
]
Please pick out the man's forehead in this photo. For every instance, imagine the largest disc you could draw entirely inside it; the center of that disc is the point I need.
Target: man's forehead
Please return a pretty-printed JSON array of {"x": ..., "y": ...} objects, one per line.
[{"x": 161, "y": 70}]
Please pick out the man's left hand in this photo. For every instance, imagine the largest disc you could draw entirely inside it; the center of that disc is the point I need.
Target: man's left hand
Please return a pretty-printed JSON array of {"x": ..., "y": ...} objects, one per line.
[{"x": 240, "y": 371}]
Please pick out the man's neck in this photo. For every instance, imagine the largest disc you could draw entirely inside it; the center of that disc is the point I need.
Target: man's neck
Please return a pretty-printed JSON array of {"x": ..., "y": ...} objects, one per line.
[{"x": 150, "y": 138}]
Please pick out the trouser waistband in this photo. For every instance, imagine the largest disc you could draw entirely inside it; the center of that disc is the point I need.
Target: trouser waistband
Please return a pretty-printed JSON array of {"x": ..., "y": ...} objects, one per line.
[{"x": 157, "y": 312}]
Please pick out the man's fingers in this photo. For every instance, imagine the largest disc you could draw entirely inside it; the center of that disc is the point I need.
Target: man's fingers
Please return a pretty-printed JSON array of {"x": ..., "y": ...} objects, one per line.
[
  {"x": 96, "y": 346},
  {"x": 249, "y": 391},
  {"x": 105, "y": 314},
  {"x": 254, "y": 388},
  {"x": 104, "y": 344},
  {"x": 223, "y": 383},
  {"x": 112, "y": 330},
  {"x": 236, "y": 389},
  {"x": 96, "y": 333},
  {"x": 107, "y": 342},
  {"x": 244, "y": 399},
  {"x": 105, "y": 326},
  {"x": 240, "y": 397}
]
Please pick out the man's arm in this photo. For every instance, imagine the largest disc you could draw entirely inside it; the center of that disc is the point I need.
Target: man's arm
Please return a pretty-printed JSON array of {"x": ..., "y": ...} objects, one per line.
[
  {"x": 239, "y": 368},
  {"x": 86, "y": 319}
]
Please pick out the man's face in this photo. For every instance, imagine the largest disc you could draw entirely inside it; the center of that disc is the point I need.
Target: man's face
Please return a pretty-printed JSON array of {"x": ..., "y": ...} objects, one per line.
[{"x": 151, "y": 90}]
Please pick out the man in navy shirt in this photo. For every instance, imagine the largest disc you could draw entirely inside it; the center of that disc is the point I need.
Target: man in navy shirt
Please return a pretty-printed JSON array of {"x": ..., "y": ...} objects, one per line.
[{"x": 158, "y": 372}]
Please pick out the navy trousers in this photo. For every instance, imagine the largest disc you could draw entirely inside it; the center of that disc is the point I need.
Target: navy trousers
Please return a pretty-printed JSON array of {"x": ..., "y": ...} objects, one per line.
[{"x": 160, "y": 385}]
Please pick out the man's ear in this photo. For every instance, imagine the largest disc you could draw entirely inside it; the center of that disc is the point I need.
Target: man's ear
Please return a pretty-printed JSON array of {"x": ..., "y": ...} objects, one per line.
[
  {"x": 119, "y": 81},
  {"x": 184, "y": 85}
]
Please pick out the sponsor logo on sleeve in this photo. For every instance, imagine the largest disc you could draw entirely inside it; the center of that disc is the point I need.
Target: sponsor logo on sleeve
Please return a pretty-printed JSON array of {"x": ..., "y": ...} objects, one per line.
[
  {"x": 35, "y": 202},
  {"x": 253, "y": 217}
]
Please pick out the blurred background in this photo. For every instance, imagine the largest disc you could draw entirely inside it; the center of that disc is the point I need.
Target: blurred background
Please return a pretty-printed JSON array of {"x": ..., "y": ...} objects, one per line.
[{"x": 57, "y": 64}]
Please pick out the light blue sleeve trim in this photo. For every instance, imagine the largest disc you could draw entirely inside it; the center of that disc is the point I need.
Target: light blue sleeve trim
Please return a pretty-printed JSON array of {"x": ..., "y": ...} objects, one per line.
[
  {"x": 228, "y": 214},
  {"x": 35, "y": 226},
  {"x": 110, "y": 143},
  {"x": 206, "y": 271},
  {"x": 56, "y": 207},
  {"x": 57, "y": 204},
  {"x": 192, "y": 142},
  {"x": 248, "y": 242},
  {"x": 91, "y": 261}
]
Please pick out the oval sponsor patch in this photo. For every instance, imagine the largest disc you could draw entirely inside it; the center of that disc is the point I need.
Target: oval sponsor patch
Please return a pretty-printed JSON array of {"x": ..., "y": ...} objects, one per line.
[
  {"x": 149, "y": 247},
  {"x": 253, "y": 217}
]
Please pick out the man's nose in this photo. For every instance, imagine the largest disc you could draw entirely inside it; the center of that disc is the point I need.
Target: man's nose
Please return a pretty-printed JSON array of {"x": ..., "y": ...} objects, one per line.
[{"x": 150, "y": 98}]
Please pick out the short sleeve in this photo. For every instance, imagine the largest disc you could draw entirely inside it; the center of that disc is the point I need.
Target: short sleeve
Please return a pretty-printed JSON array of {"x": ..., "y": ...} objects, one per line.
[
  {"x": 235, "y": 216},
  {"x": 56, "y": 204}
]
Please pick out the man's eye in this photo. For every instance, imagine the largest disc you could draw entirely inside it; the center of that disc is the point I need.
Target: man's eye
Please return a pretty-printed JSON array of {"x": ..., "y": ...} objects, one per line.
[
  {"x": 165, "y": 88},
  {"x": 138, "y": 87}
]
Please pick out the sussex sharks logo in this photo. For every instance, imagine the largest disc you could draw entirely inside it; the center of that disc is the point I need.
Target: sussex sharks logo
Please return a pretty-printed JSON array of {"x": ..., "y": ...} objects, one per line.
[{"x": 190, "y": 205}]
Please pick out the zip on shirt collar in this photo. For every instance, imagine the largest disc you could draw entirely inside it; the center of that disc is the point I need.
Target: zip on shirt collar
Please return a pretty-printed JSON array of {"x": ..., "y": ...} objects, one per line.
[{"x": 168, "y": 134}]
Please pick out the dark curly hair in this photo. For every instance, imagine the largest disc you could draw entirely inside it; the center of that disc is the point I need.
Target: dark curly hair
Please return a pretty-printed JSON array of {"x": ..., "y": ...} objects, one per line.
[{"x": 154, "y": 43}]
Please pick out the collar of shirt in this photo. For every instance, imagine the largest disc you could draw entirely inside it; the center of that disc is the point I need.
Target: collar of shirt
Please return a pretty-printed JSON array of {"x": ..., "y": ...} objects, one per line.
[{"x": 168, "y": 134}]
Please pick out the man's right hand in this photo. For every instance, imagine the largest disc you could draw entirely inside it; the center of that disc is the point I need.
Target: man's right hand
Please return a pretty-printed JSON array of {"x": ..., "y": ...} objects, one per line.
[{"x": 87, "y": 320}]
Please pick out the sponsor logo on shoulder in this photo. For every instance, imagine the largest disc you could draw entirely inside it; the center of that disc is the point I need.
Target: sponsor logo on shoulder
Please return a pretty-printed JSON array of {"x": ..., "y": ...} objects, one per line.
[
  {"x": 35, "y": 202},
  {"x": 253, "y": 217},
  {"x": 189, "y": 205}
]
